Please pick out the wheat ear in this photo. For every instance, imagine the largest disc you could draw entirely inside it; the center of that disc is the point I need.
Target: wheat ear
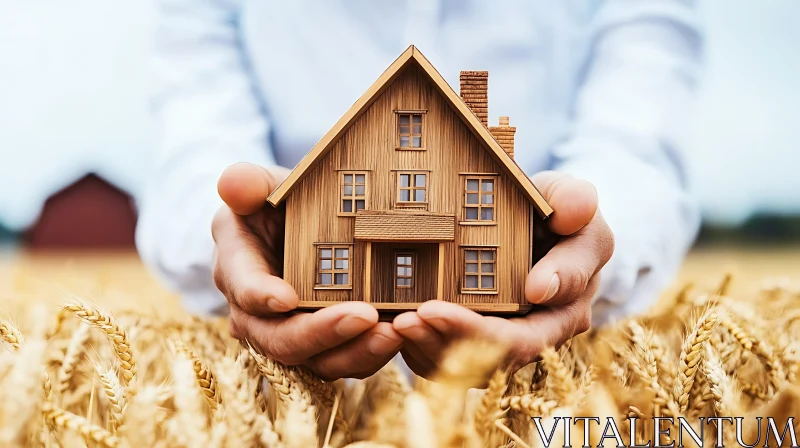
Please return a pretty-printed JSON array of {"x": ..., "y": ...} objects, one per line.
[
  {"x": 114, "y": 332},
  {"x": 300, "y": 428},
  {"x": 115, "y": 395},
  {"x": 240, "y": 404},
  {"x": 11, "y": 334},
  {"x": 560, "y": 383},
  {"x": 145, "y": 417},
  {"x": 691, "y": 356},
  {"x": 490, "y": 408},
  {"x": 644, "y": 365},
  {"x": 203, "y": 375},
  {"x": 531, "y": 405},
  {"x": 276, "y": 374},
  {"x": 266, "y": 432},
  {"x": 19, "y": 387},
  {"x": 758, "y": 347},
  {"x": 191, "y": 416},
  {"x": 387, "y": 393},
  {"x": 720, "y": 385},
  {"x": 59, "y": 418},
  {"x": 71, "y": 359},
  {"x": 324, "y": 393}
]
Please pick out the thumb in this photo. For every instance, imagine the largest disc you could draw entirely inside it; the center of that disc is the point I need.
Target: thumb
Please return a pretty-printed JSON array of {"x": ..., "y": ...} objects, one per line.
[
  {"x": 574, "y": 200},
  {"x": 244, "y": 187}
]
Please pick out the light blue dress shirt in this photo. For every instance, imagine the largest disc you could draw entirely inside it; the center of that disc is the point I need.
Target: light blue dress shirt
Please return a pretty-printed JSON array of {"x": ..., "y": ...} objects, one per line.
[{"x": 601, "y": 90}]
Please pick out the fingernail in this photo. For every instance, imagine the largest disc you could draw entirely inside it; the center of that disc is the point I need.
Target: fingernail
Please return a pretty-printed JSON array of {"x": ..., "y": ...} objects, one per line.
[
  {"x": 381, "y": 344},
  {"x": 277, "y": 306},
  {"x": 552, "y": 288},
  {"x": 351, "y": 326}
]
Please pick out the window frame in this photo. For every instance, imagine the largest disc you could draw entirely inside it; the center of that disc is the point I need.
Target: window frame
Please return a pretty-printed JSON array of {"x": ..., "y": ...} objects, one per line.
[
  {"x": 479, "y": 273},
  {"x": 480, "y": 206},
  {"x": 410, "y": 113},
  {"x": 413, "y": 267},
  {"x": 318, "y": 271},
  {"x": 412, "y": 188},
  {"x": 353, "y": 198}
]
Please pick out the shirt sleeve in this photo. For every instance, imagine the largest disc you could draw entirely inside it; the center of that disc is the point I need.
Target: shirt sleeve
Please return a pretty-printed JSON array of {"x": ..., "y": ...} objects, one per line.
[
  {"x": 628, "y": 138},
  {"x": 208, "y": 117}
]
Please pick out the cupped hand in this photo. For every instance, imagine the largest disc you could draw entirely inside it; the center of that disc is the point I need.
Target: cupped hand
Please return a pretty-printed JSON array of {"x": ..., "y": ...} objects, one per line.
[
  {"x": 560, "y": 287},
  {"x": 340, "y": 341}
]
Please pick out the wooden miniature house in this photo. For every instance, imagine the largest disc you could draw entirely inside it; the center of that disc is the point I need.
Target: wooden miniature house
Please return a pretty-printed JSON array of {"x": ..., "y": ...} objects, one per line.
[{"x": 410, "y": 197}]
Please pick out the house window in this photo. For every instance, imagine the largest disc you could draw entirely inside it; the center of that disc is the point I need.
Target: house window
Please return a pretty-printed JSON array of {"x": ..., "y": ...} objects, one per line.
[
  {"x": 479, "y": 199},
  {"x": 333, "y": 266},
  {"x": 479, "y": 269},
  {"x": 405, "y": 270},
  {"x": 409, "y": 130},
  {"x": 412, "y": 190},
  {"x": 353, "y": 192}
]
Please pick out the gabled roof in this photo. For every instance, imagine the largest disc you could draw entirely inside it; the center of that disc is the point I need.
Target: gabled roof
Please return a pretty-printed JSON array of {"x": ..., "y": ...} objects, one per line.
[{"x": 411, "y": 55}]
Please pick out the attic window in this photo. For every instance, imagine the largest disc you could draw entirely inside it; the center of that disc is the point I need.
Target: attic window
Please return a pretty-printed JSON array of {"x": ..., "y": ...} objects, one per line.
[{"x": 409, "y": 130}]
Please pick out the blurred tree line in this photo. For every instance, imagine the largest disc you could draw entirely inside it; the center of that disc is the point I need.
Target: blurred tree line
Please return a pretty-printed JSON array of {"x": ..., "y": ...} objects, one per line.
[{"x": 761, "y": 229}]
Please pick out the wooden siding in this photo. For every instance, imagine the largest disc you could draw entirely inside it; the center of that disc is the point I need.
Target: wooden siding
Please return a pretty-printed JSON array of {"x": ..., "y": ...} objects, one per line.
[{"x": 450, "y": 149}]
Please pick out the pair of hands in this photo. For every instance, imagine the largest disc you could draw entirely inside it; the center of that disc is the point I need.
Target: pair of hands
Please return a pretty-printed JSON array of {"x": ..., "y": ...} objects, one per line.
[{"x": 346, "y": 340}]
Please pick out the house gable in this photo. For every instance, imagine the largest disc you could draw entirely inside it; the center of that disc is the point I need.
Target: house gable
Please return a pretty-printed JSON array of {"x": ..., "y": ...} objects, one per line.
[{"x": 412, "y": 57}]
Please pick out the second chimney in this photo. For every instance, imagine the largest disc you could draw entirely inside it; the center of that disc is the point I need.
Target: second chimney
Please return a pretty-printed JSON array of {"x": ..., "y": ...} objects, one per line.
[
  {"x": 475, "y": 92},
  {"x": 504, "y": 134}
]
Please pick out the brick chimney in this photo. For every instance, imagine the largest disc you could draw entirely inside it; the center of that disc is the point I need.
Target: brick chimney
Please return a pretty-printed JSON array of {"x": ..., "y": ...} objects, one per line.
[
  {"x": 504, "y": 134},
  {"x": 475, "y": 93}
]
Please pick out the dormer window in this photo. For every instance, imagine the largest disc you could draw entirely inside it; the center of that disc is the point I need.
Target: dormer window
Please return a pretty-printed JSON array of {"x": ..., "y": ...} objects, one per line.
[{"x": 409, "y": 130}]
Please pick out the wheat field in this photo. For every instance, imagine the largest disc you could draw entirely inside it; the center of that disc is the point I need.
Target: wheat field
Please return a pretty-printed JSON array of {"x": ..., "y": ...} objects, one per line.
[{"x": 95, "y": 353}]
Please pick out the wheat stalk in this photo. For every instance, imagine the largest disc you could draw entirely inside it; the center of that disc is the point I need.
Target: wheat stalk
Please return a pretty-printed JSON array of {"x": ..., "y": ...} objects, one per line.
[{"x": 691, "y": 356}]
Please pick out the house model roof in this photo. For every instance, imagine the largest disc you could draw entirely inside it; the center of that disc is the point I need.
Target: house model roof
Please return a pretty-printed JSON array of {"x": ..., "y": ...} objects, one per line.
[{"x": 410, "y": 56}]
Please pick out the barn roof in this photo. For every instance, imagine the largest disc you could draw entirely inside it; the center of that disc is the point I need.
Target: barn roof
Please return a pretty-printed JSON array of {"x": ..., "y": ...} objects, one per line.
[{"x": 411, "y": 56}]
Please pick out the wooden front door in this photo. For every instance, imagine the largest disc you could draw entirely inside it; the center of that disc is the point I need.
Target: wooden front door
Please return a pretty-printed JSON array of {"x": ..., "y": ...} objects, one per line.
[{"x": 405, "y": 270}]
